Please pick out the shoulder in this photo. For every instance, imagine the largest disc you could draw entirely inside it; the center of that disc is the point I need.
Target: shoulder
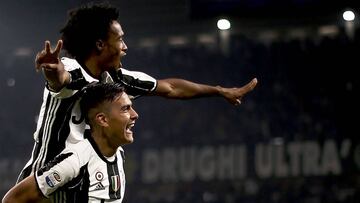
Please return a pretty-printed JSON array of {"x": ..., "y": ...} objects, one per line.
[
  {"x": 82, "y": 149},
  {"x": 136, "y": 74},
  {"x": 137, "y": 83},
  {"x": 70, "y": 64}
]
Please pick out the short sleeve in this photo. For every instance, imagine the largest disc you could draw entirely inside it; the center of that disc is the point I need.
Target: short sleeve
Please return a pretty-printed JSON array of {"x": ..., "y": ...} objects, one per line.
[
  {"x": 62, "y": 169},
  {"x": 74, "y": 68},
  {"x": 137, "y": 83}
]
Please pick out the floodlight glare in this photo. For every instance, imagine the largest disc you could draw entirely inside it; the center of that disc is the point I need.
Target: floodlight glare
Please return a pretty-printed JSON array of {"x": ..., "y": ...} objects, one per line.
[
  {"x": 223, "y": 24},
  {"x": 348, "y": 15}
]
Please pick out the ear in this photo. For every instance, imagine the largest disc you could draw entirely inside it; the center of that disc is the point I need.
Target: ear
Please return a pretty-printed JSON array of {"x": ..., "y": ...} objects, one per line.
[
  {"x": 99, "y": 45},
  {"x": 101, "y": 119}
]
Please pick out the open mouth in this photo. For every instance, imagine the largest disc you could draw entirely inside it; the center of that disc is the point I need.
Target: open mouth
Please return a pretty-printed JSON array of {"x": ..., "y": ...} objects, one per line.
[{"x": 129, "y": 127}]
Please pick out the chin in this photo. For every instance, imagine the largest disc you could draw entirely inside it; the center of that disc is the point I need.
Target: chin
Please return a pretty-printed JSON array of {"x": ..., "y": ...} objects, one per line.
[{"x": 129, "y": 140}]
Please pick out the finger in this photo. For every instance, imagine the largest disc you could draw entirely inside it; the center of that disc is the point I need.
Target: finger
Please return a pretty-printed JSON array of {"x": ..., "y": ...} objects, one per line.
[
  {"x": 251, "y": 85},
  {"x": 47, "y": 68},
  {"x": 58, "y": 47},
  {"x": 37, "y": 61},
  {"x": 47, "y": 46}
]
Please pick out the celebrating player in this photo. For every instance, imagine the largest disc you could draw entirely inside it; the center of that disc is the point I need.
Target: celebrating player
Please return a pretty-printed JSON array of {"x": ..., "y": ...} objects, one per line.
[
  {"x": 94, "y": 38},
  {"x": 92, "y": 169}
]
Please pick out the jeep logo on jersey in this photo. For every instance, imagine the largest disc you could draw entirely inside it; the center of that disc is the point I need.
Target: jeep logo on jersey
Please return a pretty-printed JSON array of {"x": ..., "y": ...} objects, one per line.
[{"x": 115, "y": 183}]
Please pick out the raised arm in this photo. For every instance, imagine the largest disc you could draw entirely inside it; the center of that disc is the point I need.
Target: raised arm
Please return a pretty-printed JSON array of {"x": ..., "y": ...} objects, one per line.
[
  {"x": 25, "y": 191},
  {"x": 49, "y": 62},
  {"x": 182, "y": 89}
]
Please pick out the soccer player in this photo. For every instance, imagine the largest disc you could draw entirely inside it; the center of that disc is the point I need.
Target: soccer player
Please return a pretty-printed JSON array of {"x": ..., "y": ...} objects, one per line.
[
  {"x": 92, "y": 169},
  {"x": 94, "y": 38}
]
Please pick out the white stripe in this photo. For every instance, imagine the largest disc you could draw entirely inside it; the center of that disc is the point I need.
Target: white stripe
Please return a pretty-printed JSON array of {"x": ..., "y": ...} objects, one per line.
[
  {"x": 41, "y": 153},
  {"x": 49, "y": 129},
  {"x": 45, "y": 137}
]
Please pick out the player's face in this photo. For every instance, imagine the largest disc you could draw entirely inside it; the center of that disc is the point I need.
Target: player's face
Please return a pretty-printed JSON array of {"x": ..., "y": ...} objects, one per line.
[
  {"x": 121, "y": 119},
  {"x": 115, "y": 47}
]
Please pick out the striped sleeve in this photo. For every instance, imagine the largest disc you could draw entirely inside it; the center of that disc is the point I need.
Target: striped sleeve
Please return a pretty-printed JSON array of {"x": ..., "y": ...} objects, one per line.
[
  {"x": 62, "y": 169},
  {"x": 56, "y": 173},
  {"x": 137, "y": 83},
  {"x": 73, "y": 67}
]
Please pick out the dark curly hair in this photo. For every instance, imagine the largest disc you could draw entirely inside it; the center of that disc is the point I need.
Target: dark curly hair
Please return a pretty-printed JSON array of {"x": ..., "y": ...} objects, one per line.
[{"x": 85, "y": 26}]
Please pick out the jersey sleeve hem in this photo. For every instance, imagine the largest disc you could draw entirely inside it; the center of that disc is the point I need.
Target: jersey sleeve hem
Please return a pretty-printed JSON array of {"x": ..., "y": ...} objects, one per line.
[{"x": 38, "y": 187}]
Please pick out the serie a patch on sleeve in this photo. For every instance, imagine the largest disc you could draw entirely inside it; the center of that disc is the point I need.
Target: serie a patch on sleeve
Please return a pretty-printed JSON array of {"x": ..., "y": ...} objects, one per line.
[{"x": 53, "y": 179}]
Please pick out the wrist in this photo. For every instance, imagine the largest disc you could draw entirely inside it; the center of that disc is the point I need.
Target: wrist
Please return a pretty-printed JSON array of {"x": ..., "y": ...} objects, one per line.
[
  {"x": 220, "y": 90},
  {"x": 68, "y": 78},
  {"x": 51, "y": 86}
]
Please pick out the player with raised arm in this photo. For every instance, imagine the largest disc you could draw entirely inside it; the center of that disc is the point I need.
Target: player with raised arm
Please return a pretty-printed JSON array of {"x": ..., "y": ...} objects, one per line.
[{"x": 94, "y": 39}]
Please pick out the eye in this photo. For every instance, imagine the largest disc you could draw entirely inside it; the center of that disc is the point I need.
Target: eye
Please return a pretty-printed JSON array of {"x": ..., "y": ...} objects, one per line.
[{"x": 126, "y": 108}]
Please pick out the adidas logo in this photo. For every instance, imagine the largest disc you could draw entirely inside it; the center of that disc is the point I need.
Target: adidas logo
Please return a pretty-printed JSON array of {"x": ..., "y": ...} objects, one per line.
[{"x": 99, "y": 186}]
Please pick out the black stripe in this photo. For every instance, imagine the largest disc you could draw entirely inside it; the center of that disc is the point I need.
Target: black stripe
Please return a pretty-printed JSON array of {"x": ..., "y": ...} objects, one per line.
[
  {"x": 133, "y": 86},
  {"x": 44, "y": 135},
  {"x": 136, "y": 87},
  {"x": 54, "y": 140},
  {"x": 41, "y": 131},
  {"x": 113, "y": 171},
  {"x": 77, "y": 190},
  {"x": 77, "y": 80},
  {"x": 96, "y": 148},
  {"x": 60, "y": 128},
  {"x": 54, "y": 103},
  {"x": 56, "y": 160}
]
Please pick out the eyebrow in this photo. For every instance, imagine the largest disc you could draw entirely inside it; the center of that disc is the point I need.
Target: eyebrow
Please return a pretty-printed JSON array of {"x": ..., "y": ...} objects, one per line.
[{"x": 126, "y": 105}]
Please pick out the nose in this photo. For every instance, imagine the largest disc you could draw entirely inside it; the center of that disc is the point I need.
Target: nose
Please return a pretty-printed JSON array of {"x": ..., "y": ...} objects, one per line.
[
  {"x": 133, "y": 114},
  {"x": 124, "y": 46}
]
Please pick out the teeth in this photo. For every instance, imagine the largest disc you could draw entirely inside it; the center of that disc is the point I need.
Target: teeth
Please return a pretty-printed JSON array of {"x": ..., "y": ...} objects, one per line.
[{"x": 130, "y": 126}]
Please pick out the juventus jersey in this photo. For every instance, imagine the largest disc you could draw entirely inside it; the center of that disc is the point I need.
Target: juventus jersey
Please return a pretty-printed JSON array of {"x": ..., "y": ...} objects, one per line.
[
  {"x": 60, "y": 120},
  {"x": 82, "y": 174}
]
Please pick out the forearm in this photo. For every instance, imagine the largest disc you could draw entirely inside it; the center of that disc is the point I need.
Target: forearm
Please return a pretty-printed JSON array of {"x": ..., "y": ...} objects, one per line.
[
  {"x": 183, "y": 89},
  {"x": 59, "y": 84},
  {"x": 25, "y": 191}
]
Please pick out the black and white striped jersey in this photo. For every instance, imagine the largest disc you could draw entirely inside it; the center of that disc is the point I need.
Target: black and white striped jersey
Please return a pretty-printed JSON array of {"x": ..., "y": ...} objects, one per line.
[
  {"x": 82, "y": 174},
  {"x": 60, "y": 121}
]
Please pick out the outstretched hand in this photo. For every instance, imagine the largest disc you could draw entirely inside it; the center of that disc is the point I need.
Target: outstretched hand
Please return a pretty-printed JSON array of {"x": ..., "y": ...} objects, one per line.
[
  {"x": 234, "y": 95},
  {"x": 48, "y": 58},
  {"x": 48, "y": 61}
]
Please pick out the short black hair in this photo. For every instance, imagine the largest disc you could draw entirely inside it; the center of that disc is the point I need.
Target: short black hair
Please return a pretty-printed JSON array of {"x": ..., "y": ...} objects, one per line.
[
  {"x": 97, "y": 93},
  {"x": 86, "y": 25}
]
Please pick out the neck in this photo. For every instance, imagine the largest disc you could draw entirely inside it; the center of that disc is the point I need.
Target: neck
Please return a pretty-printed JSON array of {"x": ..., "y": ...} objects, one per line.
[
  {"x": 104, "y": 144},
  {"x": 93, "y": 68}
]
